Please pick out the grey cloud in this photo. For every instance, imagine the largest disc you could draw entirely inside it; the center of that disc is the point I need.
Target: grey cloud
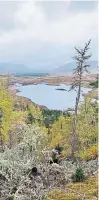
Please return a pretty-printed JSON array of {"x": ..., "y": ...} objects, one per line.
[
  {"x": 83, "y": 6},
  {"x": 7, "y": 10},
  {"x": 54, "y": 10},
  {"x": 39, "y": 52},
  {"x": 58, "y": 9}
]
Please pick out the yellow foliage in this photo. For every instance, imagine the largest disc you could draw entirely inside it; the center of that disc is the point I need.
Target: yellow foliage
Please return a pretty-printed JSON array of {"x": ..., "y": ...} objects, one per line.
[
  {"x": 35, "y": 111},
  {"x": 89, "y": 153},
  {"x": 60, "y": 132},
  {"x": 10, "y": 118},
  {"x": 15, "y": 118},
  {"x": 6, "y": 104},
  {"x": 36, "y": 114},
  {"x": 87, "y": 132}
]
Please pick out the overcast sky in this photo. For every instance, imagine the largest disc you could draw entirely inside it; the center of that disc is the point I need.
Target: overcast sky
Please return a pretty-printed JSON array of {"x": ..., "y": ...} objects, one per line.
[{"x": 43, "y": 34}]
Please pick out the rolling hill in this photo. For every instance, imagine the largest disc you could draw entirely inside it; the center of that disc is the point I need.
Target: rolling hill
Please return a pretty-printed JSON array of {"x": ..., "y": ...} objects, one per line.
[{"x": 68, "y": 68}]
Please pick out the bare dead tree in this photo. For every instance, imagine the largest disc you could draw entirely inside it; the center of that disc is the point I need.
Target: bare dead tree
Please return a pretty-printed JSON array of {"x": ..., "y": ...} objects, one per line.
[
  {"x": 82, "y": 67},
  {"x": 1, "y": 136}
]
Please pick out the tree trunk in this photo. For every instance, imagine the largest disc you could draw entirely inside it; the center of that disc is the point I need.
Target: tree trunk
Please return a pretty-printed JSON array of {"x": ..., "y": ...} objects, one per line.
[{"x": 74, "y": 138}]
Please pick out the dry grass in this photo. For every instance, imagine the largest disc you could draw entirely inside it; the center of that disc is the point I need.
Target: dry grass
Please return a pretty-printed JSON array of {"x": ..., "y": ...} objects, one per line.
[{"x": 87, "y": 190}]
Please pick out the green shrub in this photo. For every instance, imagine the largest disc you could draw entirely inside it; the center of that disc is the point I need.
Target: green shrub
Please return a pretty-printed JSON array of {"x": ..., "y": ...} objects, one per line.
[{"x": 78, "y": 176}]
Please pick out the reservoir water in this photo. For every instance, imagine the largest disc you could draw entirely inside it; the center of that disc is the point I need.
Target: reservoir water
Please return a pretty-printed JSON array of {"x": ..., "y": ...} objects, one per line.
[{"x": 51, "y": 96}]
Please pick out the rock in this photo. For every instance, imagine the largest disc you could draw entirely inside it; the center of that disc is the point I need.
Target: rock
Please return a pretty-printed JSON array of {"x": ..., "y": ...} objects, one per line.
[{"x": 61, "y": 89}]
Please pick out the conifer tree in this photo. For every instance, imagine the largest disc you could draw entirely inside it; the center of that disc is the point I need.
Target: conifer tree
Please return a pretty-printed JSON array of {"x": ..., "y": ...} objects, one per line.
[{"x": 81, "y": 59}]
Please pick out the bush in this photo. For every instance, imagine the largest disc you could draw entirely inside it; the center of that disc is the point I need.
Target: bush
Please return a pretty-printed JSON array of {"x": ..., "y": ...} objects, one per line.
[
  {"x": 16, "y": 161},
  {"x": 78, "y": 176}
]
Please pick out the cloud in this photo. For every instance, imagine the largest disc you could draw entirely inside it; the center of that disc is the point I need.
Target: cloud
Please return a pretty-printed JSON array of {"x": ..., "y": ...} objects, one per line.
[{"x": 35, "y": 24}]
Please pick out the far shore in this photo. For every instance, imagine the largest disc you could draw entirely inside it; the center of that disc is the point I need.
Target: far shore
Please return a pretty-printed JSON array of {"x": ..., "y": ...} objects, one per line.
[{"x": 53, "y": 80}]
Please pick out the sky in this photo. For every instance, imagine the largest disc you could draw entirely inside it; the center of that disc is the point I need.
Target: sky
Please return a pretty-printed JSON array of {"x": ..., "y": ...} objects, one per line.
[{"x": 42, "y": 34}]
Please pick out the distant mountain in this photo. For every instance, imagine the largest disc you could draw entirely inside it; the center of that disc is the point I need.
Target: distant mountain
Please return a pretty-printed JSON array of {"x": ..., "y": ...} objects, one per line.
[
  {"x": 20, "y": 70},
  {"x": 13, "y": 68},
  {"x": 68, "y": 67}
]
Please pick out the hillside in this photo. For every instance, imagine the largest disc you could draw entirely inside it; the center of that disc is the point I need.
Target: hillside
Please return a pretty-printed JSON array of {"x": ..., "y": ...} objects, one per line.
[
  {"x": 20, "y": 70},
  {"x": 23, "y": 70},
  {"x": 29, "y": 133},
  {"x": 68, "y": 67},
  {"x": 12, "y": 68}
]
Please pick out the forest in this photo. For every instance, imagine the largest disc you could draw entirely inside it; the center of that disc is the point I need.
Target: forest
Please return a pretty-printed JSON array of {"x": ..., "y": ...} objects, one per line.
[{"x": 29, "y": 168}]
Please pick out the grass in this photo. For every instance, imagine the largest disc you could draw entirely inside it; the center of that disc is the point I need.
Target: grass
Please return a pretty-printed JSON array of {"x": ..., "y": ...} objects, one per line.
[{"x": 87, "y": 190}]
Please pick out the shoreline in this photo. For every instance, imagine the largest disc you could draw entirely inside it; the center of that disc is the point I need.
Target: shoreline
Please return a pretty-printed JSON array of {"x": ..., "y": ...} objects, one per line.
[
  {"x": 47, "y": 80},
  {"x": 53, "y": 80},
  {"x": 28, "y": 101}
]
